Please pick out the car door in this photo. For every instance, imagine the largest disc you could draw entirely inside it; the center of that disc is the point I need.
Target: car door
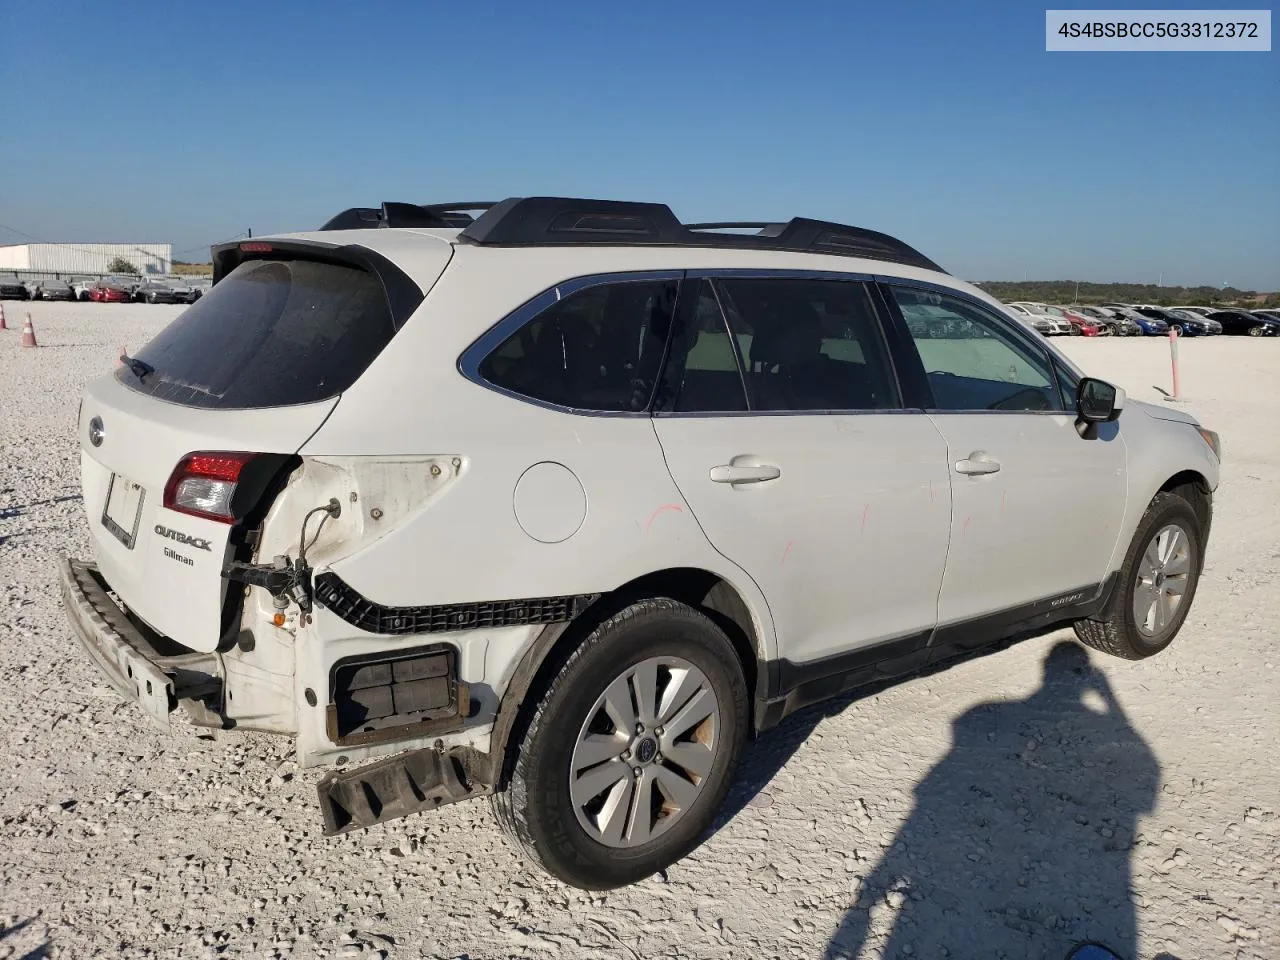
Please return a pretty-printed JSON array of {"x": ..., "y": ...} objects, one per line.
[
  {"x": 1037, "y": 501},
  {"x": 781, "y": 424}
]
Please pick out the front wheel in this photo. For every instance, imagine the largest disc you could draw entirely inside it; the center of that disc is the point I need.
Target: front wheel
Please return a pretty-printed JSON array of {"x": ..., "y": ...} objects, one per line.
[
  {"x": 1256, "y": 331},
  {"x": 631, "y": 749},
  {"x": 1156, "y": 584}
]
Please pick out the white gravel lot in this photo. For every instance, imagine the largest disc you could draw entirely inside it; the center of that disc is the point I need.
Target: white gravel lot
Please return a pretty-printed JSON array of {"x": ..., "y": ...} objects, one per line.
[{"x": 998, "y": 809}]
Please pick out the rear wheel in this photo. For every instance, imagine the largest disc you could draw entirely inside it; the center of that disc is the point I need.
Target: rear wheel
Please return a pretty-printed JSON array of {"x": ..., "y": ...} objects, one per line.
[
  {"x": 1156, "y": 583},
  {"x": 631, "y": 749}
]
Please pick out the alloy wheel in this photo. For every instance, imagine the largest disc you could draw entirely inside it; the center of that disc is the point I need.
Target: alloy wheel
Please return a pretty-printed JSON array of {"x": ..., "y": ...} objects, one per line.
[
  {"x": 644, "y": 752},
  {"x": 1164, "y": 572}
]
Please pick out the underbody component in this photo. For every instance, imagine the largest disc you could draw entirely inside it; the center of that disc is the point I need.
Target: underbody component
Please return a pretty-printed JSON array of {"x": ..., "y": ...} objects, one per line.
[
  {"x": 150, "y": 669},
  {"x": 332, "y": 592},
  {"x": 396, "y": 787},
  {"x": 394, "y": 696}
]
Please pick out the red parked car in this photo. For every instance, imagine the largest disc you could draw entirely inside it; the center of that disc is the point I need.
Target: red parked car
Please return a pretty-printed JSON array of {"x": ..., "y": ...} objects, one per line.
[
  {"x": 1088, "y": 326},
  {"x": 106, "y": 292}
]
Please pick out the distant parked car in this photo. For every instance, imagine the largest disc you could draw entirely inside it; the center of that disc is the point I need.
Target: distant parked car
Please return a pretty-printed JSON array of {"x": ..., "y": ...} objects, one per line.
[
  {"x": 1203, "y": 311},
  {"x": 1057, "y": 313},
  {"x": 155, "y": 291},
  {"x": 183, "y": 291},
  {"x": 1187, "y": 325},
  {"x": 1269, "y": 313},
  {"x": 201, "y": 287},
  {"x": 1212, "y": 327},
  {"x": 1118, "y": 323},
  {"x": 12, "y": 288},
  {"x": 110, "y": 291},
  {"x": 1058, "y": 326},
  {"x": 80, "y": 286},
  {"x": 1087, "y": 326},
  {"x": 1240, "y": 322},
  {"x": 1040, "y": 324},
  {"x": 1150, "y": 326},
  {"x": 53, "y": 290}
]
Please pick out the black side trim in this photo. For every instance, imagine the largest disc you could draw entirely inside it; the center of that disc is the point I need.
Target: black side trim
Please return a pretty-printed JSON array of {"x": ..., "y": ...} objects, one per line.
[
  {"x": 959, "y": 639},
  {"x": 332, "y": 592},
  {"x": 797, "y": 685},
  {"x": 801, "y": 684},
  {"x": 572, "y": 221}
]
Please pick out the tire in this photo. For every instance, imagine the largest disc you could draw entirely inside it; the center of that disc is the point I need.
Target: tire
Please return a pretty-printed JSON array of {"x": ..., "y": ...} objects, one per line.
[
  {"x": 569, "y": 727},
  {"x": 1117, "y": 629},
  {"x": 1256, "y": 331}
]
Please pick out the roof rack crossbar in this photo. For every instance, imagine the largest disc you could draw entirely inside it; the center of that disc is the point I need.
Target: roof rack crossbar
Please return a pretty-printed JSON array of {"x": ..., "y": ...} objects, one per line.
[
  {"x": 569, "y": 221},
  {"x": 390, "y": 214}
]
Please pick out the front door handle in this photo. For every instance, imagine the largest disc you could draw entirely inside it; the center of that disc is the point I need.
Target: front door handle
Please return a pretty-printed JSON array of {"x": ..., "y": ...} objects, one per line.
[
  {"x": 977, "y": 464},
  {"x": 741, "y": 473}
]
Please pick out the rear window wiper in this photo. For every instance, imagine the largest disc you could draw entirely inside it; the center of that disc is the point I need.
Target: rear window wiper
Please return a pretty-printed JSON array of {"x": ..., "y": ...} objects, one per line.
[{"x": 140, "y": 368}]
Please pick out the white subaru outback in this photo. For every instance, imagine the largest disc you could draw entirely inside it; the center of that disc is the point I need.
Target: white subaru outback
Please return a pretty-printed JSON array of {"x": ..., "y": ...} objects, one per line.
[{"x": 561, "y": 500}]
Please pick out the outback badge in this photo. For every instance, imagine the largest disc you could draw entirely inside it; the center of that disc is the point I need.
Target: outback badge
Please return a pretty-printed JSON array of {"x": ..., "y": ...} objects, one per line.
[{"x": 198, "y": 542}]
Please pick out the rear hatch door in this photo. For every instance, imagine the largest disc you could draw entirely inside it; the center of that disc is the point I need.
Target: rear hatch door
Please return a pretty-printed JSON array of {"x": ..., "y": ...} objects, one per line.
[{"x": 254, "y": 366}]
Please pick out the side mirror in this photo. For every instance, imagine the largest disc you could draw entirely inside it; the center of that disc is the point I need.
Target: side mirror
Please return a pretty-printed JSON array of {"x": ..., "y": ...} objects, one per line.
[{"x": 1098, "y": 401}]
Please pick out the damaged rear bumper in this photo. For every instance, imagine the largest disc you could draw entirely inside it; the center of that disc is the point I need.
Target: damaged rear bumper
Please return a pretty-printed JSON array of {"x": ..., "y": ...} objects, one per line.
[{"x": 126, "y": 658}]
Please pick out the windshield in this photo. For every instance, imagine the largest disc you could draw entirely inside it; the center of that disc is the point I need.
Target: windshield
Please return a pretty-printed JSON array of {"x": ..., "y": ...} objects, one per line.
[{"x": 271, "y": 333}]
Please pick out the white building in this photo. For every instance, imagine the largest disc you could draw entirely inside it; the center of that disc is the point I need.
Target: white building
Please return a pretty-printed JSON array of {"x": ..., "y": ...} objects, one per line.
[{"x": 65, "y": 258}]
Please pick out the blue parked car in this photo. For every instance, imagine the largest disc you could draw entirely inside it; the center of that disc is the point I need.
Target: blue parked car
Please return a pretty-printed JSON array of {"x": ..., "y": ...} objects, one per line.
[
  {"x": 1150, "y": 326},
  {"x": 1188, "y": 326}
]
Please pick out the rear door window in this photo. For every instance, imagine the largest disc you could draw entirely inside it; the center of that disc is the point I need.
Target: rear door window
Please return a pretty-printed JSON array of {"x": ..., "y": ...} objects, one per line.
[
  {"x": 272, "y": 333},
  {"x": 809, "y": 344},
  {"x": 599, "y": 348}
]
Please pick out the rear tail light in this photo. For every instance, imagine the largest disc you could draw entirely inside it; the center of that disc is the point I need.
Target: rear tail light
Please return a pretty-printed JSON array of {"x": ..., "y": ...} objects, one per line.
[{"x": 203, "y": 484}]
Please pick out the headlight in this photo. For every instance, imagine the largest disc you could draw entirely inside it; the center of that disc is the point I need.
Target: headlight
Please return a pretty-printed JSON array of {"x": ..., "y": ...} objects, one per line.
[{"x": 1211, "y": 438}]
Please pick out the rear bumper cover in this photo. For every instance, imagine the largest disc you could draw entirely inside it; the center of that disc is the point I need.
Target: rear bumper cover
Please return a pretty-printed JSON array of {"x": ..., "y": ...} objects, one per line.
[{"x": 124, "y": 656}]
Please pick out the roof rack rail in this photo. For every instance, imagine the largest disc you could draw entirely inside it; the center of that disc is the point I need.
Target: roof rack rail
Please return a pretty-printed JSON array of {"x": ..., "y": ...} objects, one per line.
[
  {"x": 733, "y": 225},
  {"x": 451, "y": 215},
  {"x": 568, "y": 221}
]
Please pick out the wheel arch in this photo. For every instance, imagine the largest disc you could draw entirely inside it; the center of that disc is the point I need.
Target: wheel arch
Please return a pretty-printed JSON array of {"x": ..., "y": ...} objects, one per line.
[
  {"x": 1193, "y": 487},
  {"x": 701, "y": 589}
]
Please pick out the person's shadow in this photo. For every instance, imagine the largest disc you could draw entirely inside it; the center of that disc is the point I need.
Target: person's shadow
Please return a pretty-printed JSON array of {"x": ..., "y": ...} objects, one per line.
[{"x": 1018, "y": 845}]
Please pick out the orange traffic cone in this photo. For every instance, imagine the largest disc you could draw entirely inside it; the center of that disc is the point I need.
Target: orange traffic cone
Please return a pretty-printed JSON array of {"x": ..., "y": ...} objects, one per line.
[
  {"x": 3, "y": 325},
  {"x": 29, "y": 333}
]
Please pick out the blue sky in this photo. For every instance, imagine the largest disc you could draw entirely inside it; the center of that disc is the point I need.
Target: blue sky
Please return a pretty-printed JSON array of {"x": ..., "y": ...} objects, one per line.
[{"x": 946, "y": 124}]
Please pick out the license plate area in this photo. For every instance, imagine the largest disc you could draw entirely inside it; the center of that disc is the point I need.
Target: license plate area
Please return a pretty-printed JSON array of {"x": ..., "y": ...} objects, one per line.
[{"x": 123, "y": 509}]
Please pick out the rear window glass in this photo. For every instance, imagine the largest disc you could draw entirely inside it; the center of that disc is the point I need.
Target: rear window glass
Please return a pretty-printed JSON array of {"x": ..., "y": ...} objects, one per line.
[{"x": 270, "y": 334}]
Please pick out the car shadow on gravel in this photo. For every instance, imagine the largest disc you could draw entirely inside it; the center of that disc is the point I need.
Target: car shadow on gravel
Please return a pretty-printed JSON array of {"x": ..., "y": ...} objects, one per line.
[
  {"x": 7, "y": 950},
  {"x": 1019, "y": 841}
]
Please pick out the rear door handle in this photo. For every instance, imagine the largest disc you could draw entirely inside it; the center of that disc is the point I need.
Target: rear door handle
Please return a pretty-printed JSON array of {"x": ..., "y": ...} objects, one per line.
[
  {"x": 735, "y": 473},
  {"x": 977, "y": 464}
]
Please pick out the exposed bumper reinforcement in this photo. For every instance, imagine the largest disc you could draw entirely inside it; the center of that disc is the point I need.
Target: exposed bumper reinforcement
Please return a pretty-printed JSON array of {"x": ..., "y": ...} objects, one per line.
[
  {"x": 128, "y": 661},
  {"x": 396, "y": 787}
]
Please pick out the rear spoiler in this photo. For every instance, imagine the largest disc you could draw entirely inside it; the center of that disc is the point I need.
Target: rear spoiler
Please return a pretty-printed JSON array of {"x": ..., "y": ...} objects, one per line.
[{"x": 403, "y": 294}]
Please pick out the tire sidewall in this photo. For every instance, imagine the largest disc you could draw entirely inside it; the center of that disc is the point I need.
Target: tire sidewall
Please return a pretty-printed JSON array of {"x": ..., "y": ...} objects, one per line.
[
  {"x": 1171, "y": 510},
  {"x": 564, "y": 847}
]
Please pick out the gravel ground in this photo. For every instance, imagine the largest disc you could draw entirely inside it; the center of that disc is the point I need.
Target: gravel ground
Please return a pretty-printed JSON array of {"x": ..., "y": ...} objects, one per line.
[{"x": 1002, "y": 808}]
